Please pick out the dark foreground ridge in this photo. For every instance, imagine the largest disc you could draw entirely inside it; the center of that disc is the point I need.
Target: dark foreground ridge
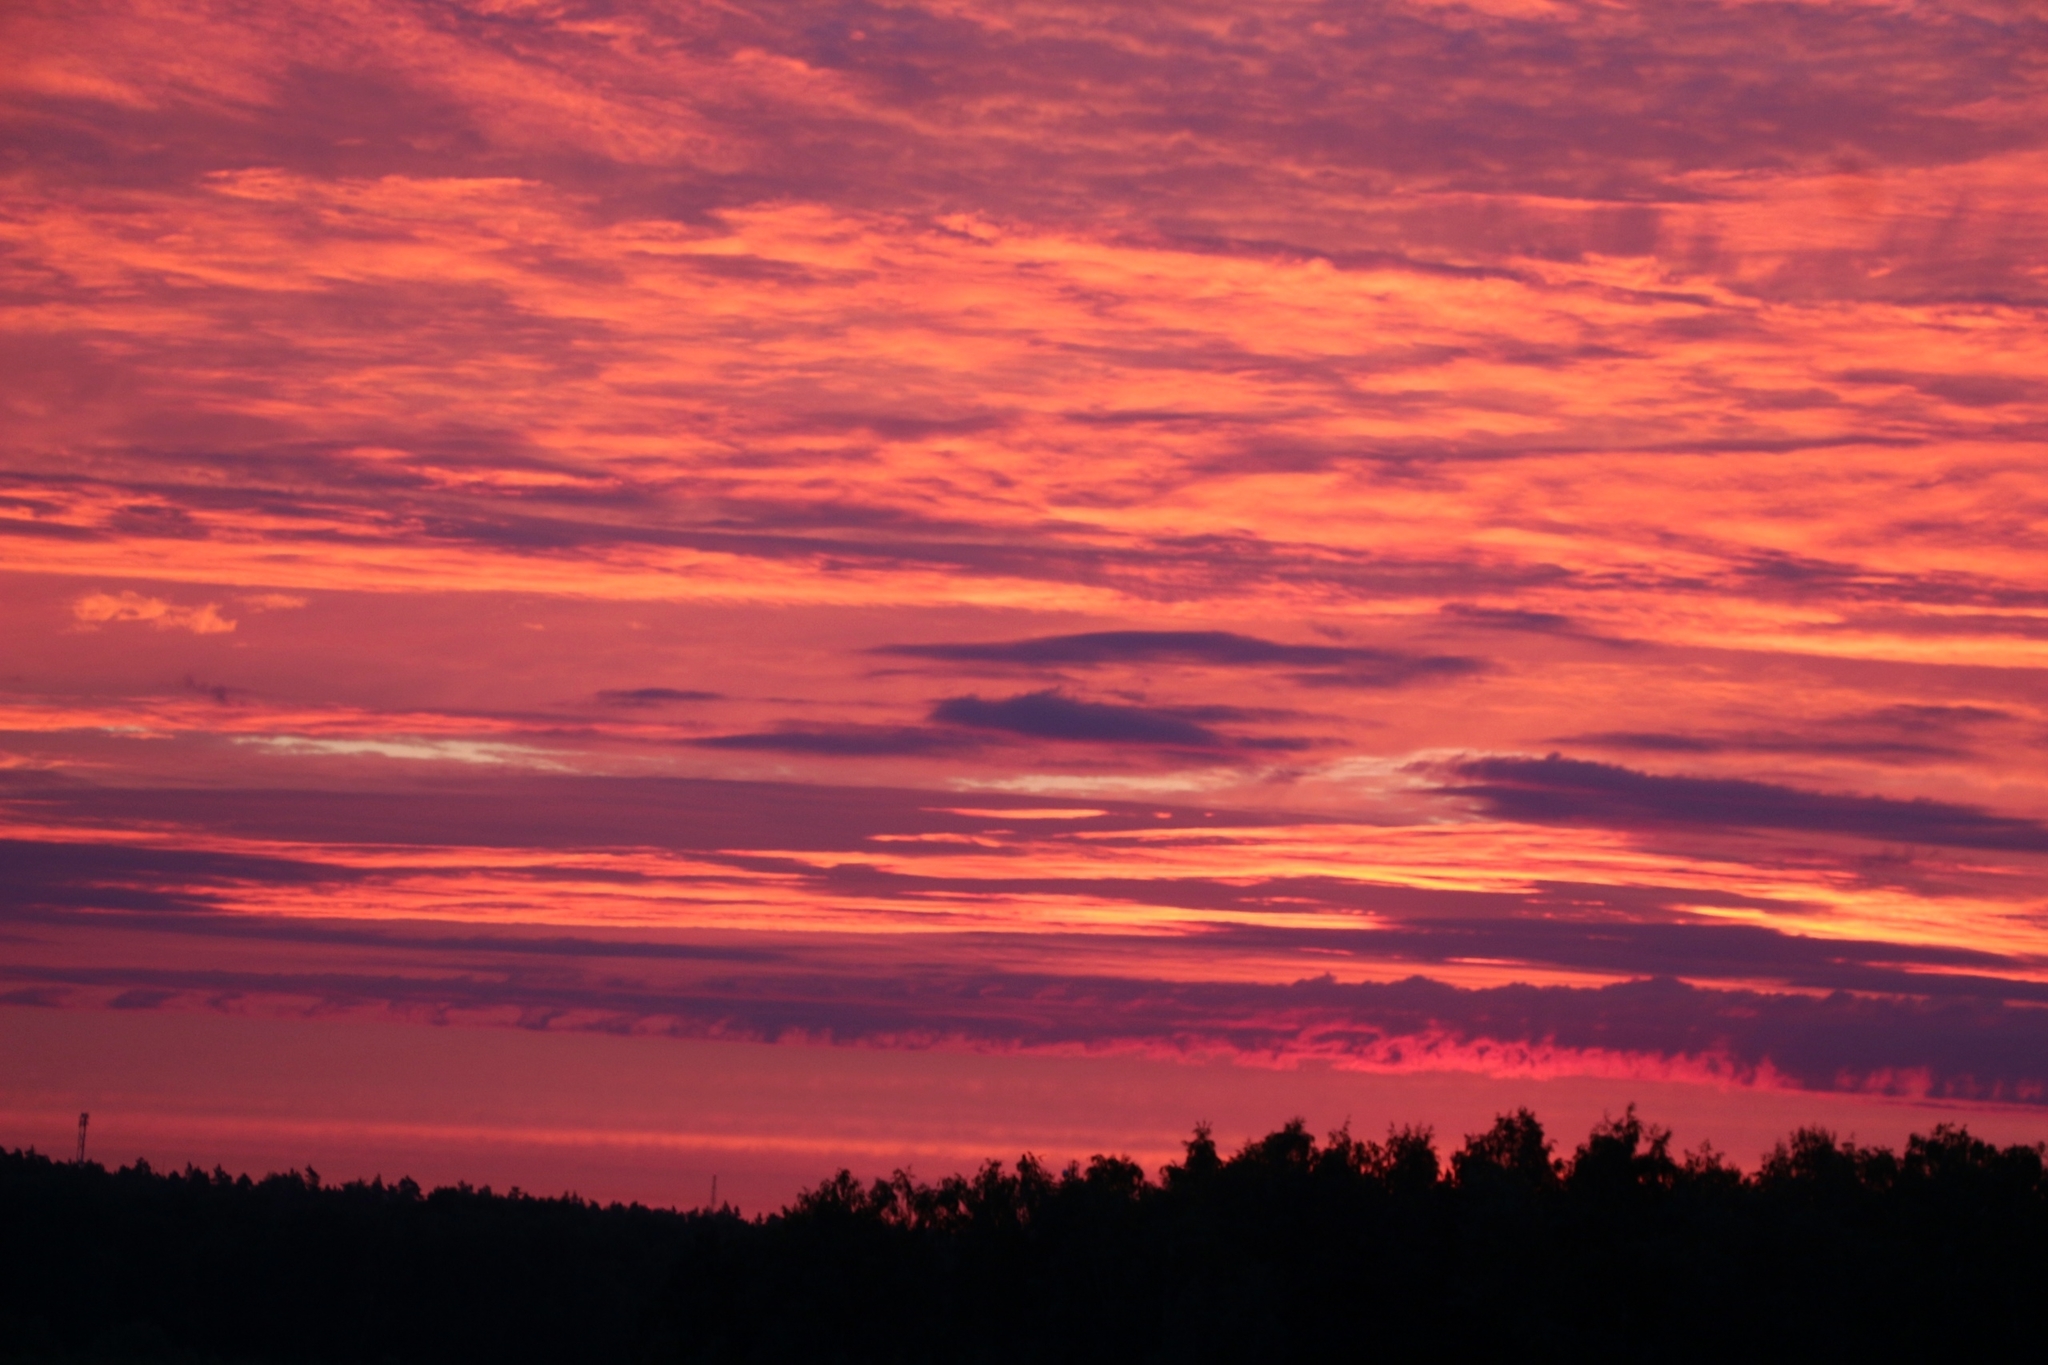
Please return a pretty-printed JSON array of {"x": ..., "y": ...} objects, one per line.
[{"x": 1288, "y": 1249}]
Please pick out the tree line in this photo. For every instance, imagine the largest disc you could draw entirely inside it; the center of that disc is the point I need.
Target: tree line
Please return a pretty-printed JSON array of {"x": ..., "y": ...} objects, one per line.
[{"x": 1286, "y": 1248}]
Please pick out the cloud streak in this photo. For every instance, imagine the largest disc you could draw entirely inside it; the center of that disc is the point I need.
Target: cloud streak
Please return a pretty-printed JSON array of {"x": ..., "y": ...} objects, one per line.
[
  {"x": 653, "y": 696},
  {"x": 1053, "y": 715},
  {"x": 1314, "y": 665},
  {"x": 847, "y": 741},
  {"x": 1574, "y": 791}
]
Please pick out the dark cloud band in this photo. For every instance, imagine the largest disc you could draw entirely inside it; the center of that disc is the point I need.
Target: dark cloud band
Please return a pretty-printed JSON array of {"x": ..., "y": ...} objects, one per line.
[
  {"x": 1324, "y": 665},
  {"x": 1557, "y": 790}
]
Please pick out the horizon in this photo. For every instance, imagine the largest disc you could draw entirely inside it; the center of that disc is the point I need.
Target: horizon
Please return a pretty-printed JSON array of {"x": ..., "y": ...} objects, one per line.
[
  {"x": 1362, "y": 1153},
  {"x": 626, "y": 592}
]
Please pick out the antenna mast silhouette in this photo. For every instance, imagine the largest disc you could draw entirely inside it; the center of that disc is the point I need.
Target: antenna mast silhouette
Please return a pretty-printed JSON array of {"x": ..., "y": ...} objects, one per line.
[{"x": 83, "y": 1119}]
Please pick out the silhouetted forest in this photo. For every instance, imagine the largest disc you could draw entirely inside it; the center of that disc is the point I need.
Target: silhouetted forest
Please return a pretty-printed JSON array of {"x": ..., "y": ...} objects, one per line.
[{"x": 1289, "y": 1248}]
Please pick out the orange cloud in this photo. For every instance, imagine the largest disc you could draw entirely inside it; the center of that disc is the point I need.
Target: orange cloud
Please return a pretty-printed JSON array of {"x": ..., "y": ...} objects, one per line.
[{"x": 98, "y": 608}]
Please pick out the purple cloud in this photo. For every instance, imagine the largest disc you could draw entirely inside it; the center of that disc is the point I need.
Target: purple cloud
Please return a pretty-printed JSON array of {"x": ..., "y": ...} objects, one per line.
[
  {"x": 1328, "y": 665},
  {"x": 845, "y": 741},
  {"x": 1053, "y": 715},
  {"x": 654, "y": 696},
  {"x": 1958, "y": 1048},
  {"x": 1556, "y": 790}
]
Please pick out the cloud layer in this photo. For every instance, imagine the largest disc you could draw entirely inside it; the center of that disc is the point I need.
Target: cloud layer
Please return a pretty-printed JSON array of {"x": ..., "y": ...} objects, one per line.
[
  {"x": 867, "y": 915},
  {"x": 1499, "y": 537}
]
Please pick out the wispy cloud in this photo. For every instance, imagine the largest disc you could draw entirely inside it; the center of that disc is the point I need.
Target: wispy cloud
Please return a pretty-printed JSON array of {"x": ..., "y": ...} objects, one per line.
[
  {"x": 411, "y": 747},
  {"x": 100, "y": 608},
  {"x": 845, "y": 741},
  {"x": 653, "y": 696},
  {"x": 1315, "y": 665}
]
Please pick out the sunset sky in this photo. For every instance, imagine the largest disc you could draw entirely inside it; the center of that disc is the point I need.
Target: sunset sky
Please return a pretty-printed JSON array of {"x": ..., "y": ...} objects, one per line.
[{"x": 595, "y": 594}]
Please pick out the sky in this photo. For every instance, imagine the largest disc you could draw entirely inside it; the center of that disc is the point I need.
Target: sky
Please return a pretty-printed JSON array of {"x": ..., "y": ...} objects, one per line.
[{"x": 597, "y": 591}]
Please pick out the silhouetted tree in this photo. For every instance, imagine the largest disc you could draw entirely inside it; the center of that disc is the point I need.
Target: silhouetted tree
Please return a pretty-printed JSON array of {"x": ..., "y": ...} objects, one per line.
[
  {"x": 1290, "y": 1247},
  {"x": 1514, "y": 1149},
  {"x": 1623, "y": 1156}
]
